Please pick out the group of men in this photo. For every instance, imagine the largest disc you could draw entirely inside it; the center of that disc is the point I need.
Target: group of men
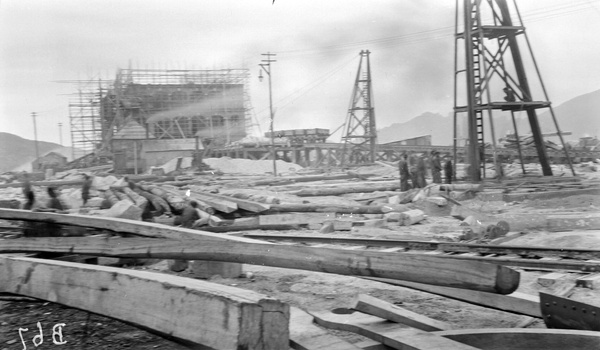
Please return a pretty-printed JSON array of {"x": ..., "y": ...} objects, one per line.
[
  {"x": 415, "y": 169},
  {"x": 32, "y": 229}
]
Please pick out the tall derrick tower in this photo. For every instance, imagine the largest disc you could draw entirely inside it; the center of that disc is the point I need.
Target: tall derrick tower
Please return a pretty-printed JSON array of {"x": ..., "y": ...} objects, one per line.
[
  {"x": 494, "y": 76},
  {"x": 360, "y": 136}
]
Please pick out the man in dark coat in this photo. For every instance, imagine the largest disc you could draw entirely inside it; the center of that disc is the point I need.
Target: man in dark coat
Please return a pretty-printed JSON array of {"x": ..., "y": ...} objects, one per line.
[
  {"x": 85, "y": 189},
  {"x": 190, "y": 215},
  {"x": 26, "y": 185},
  {"x": 404, "y": 173},
  {"x": 436, "y": 167},
  {"x": 414, "y": 174},
  {"x": 448, "y": 170},
  {"x": 421, "y": 170},
  {"x": 54, "y": 203}
]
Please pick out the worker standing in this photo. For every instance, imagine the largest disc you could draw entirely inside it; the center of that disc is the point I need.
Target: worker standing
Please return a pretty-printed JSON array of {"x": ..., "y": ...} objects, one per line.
[
  {"x": 421, "y": 170},
  {"x": 414, "y": 175},
  {"x": 404, "y": 173},
  {"x": 31, "y": 228},
  {"x": 26, "y": 185},
  {"x": 436, "y": 167},
  {"x": 448, "y": 170},
  {"x": 85, "y": 189},
  {"x": 54, "y": 203}
]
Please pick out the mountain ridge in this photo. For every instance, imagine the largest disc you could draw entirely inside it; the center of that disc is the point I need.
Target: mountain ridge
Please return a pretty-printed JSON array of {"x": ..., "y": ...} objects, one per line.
[
  {"x": 579, "y": 115},
  {"x": 17, "y": 152}
]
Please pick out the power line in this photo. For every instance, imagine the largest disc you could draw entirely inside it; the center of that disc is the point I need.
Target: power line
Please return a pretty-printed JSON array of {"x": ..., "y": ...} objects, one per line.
[
  {"x": 308, "y": 87},
  {"x": 437, "y": 33}
]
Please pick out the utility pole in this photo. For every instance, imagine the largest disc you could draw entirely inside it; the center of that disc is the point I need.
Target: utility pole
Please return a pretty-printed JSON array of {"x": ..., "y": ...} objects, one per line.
[
  {"x": 60, "y": 132},
  {"x": 37, "y": 150},
  {"x": 266, "y": 66}
]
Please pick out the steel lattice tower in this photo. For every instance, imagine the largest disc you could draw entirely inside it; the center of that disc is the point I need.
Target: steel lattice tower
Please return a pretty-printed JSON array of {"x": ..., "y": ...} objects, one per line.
[
  {"x": 495, "y": 79},
  {"x": 360, "y": 135}
]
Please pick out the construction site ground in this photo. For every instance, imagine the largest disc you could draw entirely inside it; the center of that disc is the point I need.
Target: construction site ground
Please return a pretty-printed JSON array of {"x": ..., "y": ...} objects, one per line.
[{"x": 320, "y": 291}]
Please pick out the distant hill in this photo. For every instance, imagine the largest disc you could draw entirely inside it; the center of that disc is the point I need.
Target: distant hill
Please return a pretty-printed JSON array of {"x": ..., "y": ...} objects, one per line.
[
  {"x": 439, "y": 127},
  {"x": 17, "y": 153},
  {"x": 580, "y": 115}
]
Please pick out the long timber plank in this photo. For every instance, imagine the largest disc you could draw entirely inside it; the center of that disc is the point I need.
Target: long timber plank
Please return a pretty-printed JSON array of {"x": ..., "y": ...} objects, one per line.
[
  {"x": 328, "y": 208},
  {"x": 140, "y": 228},
  {"x": 427, "y": 269},
  {"x": 213, "y": 315},
  {"x": 517, "y": 302},
  {"x": 252, "y": 206},
  {"x": 220, "y": 204},
  {"x": 416, "y": 244}
]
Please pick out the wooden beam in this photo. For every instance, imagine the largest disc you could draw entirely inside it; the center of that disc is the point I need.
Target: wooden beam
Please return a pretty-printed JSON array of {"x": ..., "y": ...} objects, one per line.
[
  {"x": 305, "y": 335},
  {"x": 519, "y": 197},
  {"x": 140, "y": 228},
  {"x": 307, "y": 192},
  {"x": 254, "y": 227},
  {"x": 245, "y": 204},
  {"x": 436, "y": 270},
  {"x": 525, "y": 339},
  {"x": 220, "y": 204},
  {"x": 201, "y": 204},
  {"x": 295, "y": 218},
  {"x": 385, "y": 332},
  {"x": 516, "y": 302},
  {"x": 377, "y": 307},
  {"x": 56, "y": 183},
  {"x": 221, "y": 317},
  {"x": 308, "y": 178},
  {"x": 330, "y": 208}
]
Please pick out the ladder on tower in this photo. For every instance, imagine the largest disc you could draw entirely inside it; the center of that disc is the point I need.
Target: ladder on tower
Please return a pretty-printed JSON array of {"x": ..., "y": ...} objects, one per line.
[{"x": 477, "y": 82}]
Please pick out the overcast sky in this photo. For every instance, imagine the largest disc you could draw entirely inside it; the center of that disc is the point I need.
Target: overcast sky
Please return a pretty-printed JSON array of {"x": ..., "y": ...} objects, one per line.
[{"x": 317, "y": 43}]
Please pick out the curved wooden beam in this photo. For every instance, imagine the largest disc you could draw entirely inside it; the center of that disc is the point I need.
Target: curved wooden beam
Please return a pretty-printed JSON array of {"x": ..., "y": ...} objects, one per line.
[
  {"x": 199, "y": 245},
  {"x": 426, "y": 269}
]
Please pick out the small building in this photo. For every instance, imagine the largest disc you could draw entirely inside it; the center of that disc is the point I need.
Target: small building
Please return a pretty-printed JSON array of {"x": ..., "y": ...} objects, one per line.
[
  {"x": 127, "y": 148},
  {"x": 51, "y": 160}
]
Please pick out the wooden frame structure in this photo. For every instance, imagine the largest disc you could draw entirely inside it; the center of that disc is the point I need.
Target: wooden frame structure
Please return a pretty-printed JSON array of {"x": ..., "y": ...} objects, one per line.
[
  {"x": 493, "y": 63},
  {"x": 330, "y": 154}
]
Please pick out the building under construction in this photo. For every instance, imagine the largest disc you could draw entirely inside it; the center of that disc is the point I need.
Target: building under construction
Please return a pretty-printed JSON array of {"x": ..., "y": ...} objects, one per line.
[{"x": 145, "y": 117}]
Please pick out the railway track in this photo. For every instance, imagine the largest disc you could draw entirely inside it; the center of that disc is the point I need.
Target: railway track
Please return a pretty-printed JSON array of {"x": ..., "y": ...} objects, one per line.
[{"x": 535, "y": 258}]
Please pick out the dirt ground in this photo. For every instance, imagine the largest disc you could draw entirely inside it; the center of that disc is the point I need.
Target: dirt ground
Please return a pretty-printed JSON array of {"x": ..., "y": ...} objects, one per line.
[{"x": 307, "y": 290}]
